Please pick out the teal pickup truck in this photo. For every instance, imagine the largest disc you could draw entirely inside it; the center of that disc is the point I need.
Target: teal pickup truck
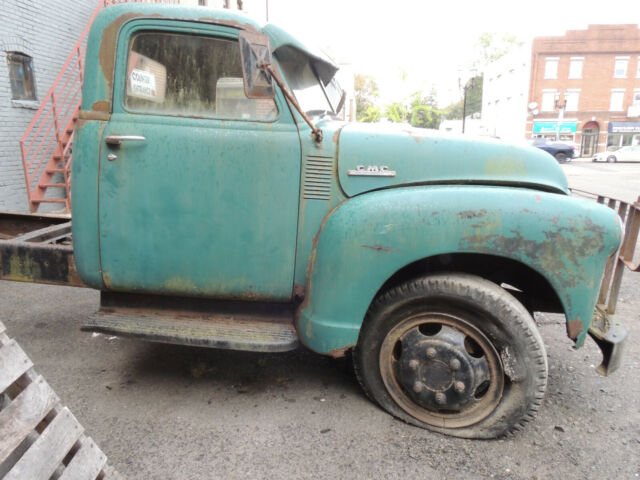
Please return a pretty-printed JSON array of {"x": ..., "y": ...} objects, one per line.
[{"x": 218, "y": 200}]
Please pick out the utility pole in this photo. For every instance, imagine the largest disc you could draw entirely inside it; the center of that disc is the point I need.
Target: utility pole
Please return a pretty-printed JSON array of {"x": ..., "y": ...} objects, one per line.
[
  {"x": 467, "y": 86},
  {"x": 560, "y": 107}
]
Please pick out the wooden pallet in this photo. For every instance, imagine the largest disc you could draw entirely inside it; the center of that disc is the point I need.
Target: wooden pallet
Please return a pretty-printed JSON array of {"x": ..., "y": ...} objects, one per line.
[{"x": 40, "y": 438}]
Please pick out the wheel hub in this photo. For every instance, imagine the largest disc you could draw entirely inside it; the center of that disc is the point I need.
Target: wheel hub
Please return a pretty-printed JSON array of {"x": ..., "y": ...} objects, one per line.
[
  {"x": 437, "y": 372},
  {"x": 442, "y": 370}
]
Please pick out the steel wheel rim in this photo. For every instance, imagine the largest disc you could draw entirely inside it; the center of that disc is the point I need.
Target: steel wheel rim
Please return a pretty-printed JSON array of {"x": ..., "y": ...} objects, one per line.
[{"x": 455, "y": 401}]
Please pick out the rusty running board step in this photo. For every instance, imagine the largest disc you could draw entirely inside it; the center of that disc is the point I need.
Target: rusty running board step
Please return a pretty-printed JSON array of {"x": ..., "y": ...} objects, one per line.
[{"x": 266, "y": 332}]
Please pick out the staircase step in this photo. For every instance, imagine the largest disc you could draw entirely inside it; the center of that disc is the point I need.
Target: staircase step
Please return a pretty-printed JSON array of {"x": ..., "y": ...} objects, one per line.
[
  {"x": 49, "y": 200},
  {"x": 53, "y": 185},
  {"x": 223, "y": 330},
  {"x": 55, "y": 170}
]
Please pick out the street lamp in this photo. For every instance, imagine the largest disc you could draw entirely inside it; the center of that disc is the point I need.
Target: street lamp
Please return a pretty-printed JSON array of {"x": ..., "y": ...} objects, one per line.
[
  {"x": 469, "y": 84},
  {"x": 560, "y": 106}
]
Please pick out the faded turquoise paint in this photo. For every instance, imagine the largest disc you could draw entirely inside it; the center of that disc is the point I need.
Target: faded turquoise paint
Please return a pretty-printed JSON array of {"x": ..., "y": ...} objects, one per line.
[
  {"x": 203, "y": 207},
  {"x": 370, "y": 237},
  {"x": 312, "y": 211},
  {"x": 84, "y": 198},
  {"x": 428, "y": 156}
]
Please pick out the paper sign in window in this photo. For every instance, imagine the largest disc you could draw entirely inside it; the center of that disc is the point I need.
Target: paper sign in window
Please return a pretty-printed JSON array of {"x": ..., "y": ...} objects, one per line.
[{"x": 147, "y": 79}]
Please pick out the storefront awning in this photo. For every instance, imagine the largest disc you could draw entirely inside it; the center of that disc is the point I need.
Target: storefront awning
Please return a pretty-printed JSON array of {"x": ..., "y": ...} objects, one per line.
[
  {"x": 552, "y": 127},
  {"x": 624, "y": 127}
]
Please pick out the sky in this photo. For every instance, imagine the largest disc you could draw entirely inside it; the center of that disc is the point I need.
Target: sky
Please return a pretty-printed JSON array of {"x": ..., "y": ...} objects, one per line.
[{"x": 429, "y": 41}]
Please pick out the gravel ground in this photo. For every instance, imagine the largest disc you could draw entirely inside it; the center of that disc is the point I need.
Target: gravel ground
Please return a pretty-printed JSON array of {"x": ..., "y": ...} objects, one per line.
[{"x": 162, "y": 411}]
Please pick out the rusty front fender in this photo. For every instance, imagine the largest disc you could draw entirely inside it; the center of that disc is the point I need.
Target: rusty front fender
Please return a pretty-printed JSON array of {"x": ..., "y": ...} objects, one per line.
[{"x": 372, "y": 236}]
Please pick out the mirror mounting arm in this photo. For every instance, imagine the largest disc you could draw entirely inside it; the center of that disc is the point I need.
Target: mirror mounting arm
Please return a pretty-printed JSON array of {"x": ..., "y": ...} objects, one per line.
[{"x": 316, "y": 133}]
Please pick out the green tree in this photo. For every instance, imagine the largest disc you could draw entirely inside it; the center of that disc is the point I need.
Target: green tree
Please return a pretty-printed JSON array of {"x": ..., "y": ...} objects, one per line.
[
  {"x": 474, "y": 101},
  {"x": 372, "y": 115},
  {"x": 423, "y": 111},
  {"x": 490, "y": 47},
  {"x": 366, "y": 93},
  {"x": 396, "y": 112}
]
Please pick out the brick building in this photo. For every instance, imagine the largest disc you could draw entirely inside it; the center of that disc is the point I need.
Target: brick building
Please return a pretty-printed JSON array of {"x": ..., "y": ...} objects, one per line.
[
  {"x": 585, "y": 87},
  {"x": 35, "y": 40}
]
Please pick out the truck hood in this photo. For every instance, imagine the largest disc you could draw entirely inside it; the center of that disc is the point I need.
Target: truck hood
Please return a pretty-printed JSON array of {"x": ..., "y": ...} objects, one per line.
[{"x": 421, "y": 156}]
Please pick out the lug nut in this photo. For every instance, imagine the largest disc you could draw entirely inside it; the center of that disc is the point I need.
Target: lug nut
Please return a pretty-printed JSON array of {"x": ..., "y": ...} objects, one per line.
[
  {"x": 454, "y": 364},
  {"x": 418, "y": 387},
  {"x": 414, "y": 364},
  {"x": 431, "y": 352},
  {"x": 459, "y": 387},
  {"x": 441, "y": 398}
]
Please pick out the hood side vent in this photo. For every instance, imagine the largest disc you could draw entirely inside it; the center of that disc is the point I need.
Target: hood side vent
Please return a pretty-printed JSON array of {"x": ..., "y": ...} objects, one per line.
[{"x": 317, "y": 177}]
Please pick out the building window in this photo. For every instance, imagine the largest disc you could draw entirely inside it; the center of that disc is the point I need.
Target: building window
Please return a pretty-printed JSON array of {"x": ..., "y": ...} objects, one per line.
[
  {"x": 575, "y": 67},
  {"x": 548, "y": 101},
  {"x": 21, "y": 76},
  {"x": 551, "y": 67},
  {"x": 571, "y": 100},
  {"x": 202, "y": 3},
  {"x": 636, "y": 97},
  {"x": 620, "y": 69},
  {"x": 617, "y": 100}
]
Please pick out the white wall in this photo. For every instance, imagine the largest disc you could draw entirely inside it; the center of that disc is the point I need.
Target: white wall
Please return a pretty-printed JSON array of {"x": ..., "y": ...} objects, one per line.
[{"x": 504, "y": 95}]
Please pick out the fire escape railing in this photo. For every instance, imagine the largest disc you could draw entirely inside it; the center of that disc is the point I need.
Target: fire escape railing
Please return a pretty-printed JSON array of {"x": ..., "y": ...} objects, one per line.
[{"x": 46, "y": 145}]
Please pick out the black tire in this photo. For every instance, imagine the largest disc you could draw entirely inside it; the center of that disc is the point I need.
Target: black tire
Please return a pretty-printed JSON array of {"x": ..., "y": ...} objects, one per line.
[
  {"x": 612, "y": 159},
  {"x": 480, "y": 324},
  {"x": 561, "y": 157}
]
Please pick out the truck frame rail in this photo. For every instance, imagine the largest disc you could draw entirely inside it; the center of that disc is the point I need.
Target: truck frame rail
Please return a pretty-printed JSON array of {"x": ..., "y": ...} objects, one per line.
[{"x": 37, "y": 248}]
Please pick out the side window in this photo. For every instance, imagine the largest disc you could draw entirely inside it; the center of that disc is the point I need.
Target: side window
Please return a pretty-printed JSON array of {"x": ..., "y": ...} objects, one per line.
[
  {"x": 21, "y": 76},
  {"x": 189, "y": 75}
]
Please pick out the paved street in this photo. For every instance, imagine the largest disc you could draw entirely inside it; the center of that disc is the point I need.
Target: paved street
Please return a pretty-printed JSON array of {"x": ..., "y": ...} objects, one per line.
[
  {"x": 161, "y": 411},
  {"x": 617, "y": 180}
]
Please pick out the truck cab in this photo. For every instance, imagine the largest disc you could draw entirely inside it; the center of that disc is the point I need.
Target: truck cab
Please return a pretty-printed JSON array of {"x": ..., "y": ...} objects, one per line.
[{"x": 219, "y": 200}]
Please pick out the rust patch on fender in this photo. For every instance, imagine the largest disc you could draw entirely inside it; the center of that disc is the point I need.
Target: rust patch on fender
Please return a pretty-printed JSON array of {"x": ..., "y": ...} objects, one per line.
[
  {"x": 379, "y": 248},
  {"x": 340, "y": 352},
  {"x": 574, "y": 328},
  {"x": 468, "y": 214}
]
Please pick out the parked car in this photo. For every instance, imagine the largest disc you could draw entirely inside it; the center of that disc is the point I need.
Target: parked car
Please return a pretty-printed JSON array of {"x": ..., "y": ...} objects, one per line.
[
  {"x": 623, "y": 154},
  {"x": 562, "y": 152}
]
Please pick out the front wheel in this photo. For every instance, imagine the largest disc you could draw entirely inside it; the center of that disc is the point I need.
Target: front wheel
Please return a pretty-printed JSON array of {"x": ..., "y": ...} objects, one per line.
[
  {"x": 612, "y": 159},
  {"x": 453, "y": 353}
]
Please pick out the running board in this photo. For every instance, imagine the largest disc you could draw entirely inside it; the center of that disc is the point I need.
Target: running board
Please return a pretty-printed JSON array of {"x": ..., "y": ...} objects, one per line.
[{"x": 201, "y": 323}]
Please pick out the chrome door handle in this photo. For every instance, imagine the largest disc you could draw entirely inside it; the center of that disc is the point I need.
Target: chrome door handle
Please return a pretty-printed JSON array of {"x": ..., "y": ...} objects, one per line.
[{"x": 116, "y": 140}]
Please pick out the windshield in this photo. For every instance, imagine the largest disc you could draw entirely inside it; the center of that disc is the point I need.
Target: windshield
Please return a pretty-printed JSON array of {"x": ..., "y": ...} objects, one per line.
[{"x": 305, "y": 85}]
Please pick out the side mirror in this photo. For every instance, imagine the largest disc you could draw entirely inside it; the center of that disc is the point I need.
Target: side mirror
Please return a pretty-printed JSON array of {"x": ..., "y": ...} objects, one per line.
[{"x": 256, "y": 52}]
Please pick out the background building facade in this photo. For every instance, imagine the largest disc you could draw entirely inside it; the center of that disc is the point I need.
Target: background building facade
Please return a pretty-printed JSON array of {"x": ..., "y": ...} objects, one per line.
[
  {"x": 505, "y": 89},
  {"x": 585, "y": 88},
  {"x": 35, "y": 40}
]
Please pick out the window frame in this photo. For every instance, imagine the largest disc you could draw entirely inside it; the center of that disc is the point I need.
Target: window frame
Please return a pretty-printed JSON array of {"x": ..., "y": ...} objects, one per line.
[
  {"x": 176, "y": 27},
  {"x": 548, "y": 91},
  {"x": 11, "y": 63},
  {"x": 547, "y": 61},
  {"x": 615, "y": 67},
  {"x": 613, "y": 92},
  {"x": 576, "y": 61},
  {"x": 571, "y": 92}
]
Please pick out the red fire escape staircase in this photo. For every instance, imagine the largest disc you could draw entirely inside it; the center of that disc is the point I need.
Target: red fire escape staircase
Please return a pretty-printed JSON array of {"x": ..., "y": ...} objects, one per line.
[{"x": 46, "y": 145}]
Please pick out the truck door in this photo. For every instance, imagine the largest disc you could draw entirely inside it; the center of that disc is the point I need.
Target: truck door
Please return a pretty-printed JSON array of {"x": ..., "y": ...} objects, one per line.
[{"x": 199, "y": 186}]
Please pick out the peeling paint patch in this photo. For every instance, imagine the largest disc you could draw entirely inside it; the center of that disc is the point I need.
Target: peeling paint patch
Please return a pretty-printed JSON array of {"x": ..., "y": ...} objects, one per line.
[
  {"x": 574, "y": 328},
  {"x": 379, "y": 248}
]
